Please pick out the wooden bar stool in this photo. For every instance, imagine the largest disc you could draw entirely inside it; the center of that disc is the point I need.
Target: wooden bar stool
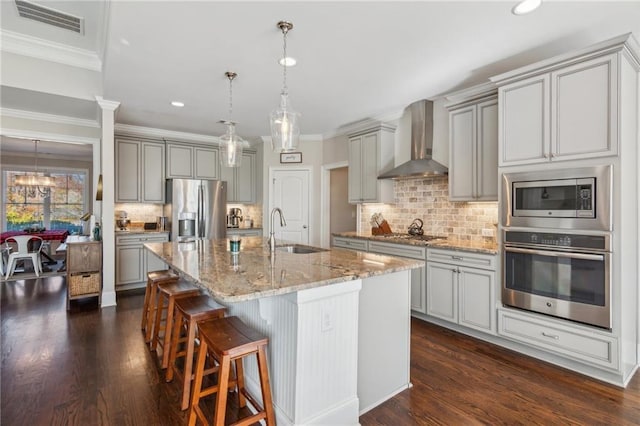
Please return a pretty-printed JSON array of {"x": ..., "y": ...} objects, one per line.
[
  {"x": 169, "y": 292},
  {"x": 150, "y": 297},
  {"x": 188, "y": 311},
  {"x": 229, "y": 339}
]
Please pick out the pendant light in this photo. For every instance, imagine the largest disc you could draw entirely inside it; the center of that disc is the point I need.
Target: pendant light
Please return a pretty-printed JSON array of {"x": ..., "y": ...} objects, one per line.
[
  {"x": 35, "y": 182},
  {"x": 231, "y": 145},
  {"x": 285, "y": 130}
]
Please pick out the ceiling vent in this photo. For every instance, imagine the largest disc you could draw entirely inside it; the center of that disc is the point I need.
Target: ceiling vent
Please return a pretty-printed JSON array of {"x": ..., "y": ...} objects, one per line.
[{"x": 50, "y": 16}]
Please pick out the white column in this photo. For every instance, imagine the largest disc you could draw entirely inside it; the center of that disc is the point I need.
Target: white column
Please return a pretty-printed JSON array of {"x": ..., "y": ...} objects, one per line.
[{"x": 107, "y": 169}]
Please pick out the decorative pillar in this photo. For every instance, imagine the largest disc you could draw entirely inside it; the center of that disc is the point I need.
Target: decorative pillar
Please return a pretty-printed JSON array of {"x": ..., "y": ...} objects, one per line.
[{"x": 107, "y": 169}]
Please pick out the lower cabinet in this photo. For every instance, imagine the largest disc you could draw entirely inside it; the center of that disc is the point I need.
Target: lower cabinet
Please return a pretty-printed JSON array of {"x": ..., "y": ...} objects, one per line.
[
  {"x": 459, "y": 293},
  {"x": 418, "y": 275},
  {"x": 133, "y": 261}
]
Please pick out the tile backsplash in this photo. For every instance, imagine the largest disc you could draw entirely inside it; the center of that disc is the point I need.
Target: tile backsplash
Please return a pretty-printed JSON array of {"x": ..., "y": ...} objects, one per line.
[
  {"x": 428, "y": 199},
  {"x": 254, "y": 211}
]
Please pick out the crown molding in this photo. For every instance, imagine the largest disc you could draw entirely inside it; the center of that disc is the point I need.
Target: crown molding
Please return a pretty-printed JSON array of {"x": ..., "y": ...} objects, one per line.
[
  {"x": 106, "y": 104},
  {"x": 49, "y": 118},
  {"x": 22, "y": 44},
  {"x": 51, "y": 137},
  {"x": 150, "y": 132},
  {"x": 367, "y": 123}
]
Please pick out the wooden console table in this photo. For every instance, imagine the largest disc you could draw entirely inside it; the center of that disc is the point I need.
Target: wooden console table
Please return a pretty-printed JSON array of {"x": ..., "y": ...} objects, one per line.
[{"x": 84, "y": 270}]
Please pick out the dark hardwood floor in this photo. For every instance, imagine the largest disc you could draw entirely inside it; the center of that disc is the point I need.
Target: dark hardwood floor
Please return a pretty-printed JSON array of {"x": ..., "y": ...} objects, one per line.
[{"x": 91, "y": 367}]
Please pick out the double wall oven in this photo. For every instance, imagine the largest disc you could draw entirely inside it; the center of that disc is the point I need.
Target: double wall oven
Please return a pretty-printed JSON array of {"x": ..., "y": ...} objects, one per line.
[{"x": 557, "y": 243}]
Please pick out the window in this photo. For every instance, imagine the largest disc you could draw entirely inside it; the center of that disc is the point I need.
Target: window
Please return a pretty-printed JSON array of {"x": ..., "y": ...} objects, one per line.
[{"x": 27, "y": 207}]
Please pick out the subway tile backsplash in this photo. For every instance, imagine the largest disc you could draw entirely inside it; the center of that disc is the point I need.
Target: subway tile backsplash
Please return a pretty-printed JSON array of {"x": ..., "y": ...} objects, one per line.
[{"x": 428, "y": 199}]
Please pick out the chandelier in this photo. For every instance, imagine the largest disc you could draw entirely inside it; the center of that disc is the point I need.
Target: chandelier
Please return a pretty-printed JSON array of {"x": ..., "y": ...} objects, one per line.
[
  {"x": 35, "y": 183},
  {"x": 285, "y": 130},
  {"x": 231, "y": 145}
]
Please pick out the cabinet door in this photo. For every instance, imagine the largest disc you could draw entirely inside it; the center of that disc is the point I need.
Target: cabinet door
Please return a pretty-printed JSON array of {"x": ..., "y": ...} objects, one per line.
[
  {"x": 179, "y": 161},
  {"x": 127, "y": 171},
  {"x": 524, "y": 122},
  {"x": 584, "y": 109},
  {"x": 245, "y": 179},
  {"x": 419, "y": 290},
  {"x": 369, "y": 171},
  {"x": 442, "y": 291},
  {"x": 486, "y": 151},
  {"x": 228, "y": 174},
  {"x": 129, "y": 264},
  {"x": 462, "y": 168},
  {"x": 207, "y": 163},
  {"x": 476, "y": 296},
  {"x": 355, "y": 169},
  {"x": 152, "y": 173}
]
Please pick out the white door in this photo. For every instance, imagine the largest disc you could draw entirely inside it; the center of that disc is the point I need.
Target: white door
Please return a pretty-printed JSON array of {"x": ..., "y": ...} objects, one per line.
[{"x": 290, "y": 192}]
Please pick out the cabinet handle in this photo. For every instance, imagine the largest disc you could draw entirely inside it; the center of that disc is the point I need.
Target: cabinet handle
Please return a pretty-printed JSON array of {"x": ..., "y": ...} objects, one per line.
[
  {"x": 545, "y": 155},
  {"x": 454, "y": 270},
  {"x": 457, "y": 257},
  {"x": 551, "y": 336}
]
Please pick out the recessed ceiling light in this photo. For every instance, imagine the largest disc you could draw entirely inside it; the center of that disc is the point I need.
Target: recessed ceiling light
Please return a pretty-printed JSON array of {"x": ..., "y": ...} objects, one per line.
[
  {"x": 288, "y": 61},
  {"x": 526, "y": 6},
  {"x": 177, "y": 104}
]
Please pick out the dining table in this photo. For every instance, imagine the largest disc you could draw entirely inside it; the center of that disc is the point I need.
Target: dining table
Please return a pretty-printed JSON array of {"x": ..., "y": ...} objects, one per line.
[{"x": 46, "y": 235}]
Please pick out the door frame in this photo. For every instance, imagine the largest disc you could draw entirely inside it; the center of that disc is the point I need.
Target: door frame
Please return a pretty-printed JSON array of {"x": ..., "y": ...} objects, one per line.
[
  {"x": 266, "y": 221},
  {"x": 325, "y": 201}
]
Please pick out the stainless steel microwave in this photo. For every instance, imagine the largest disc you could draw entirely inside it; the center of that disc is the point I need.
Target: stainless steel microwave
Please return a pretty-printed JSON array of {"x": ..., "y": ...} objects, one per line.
[{"x": 564, "y": 199}]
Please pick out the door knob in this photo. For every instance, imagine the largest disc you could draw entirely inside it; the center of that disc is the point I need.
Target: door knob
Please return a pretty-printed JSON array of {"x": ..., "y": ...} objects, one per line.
[{"x": 304, "y": 226}]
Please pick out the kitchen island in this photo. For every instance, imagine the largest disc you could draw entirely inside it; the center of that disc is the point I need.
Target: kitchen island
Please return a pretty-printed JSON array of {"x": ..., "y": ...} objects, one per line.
[{"x": 338, "y": 321}]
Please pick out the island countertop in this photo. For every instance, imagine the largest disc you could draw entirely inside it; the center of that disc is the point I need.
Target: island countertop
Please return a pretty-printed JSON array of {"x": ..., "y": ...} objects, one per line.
[{"x": 254, "y": 273}]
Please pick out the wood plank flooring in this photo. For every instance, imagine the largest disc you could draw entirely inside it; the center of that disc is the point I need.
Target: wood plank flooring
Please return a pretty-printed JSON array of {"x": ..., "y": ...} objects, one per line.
[{"x": 91, "y": 367}]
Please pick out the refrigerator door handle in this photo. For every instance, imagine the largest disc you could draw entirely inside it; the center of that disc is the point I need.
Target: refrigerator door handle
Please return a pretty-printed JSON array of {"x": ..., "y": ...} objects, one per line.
[{"x": 200, "y": 212}]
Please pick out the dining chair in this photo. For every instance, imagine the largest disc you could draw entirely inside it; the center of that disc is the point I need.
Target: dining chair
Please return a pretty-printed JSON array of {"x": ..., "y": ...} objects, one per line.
[{"x": 23, "y": 253}]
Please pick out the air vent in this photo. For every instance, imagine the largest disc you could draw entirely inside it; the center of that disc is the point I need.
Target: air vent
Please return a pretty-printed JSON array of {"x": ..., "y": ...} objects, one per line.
[{"x": 50, "y": 16}]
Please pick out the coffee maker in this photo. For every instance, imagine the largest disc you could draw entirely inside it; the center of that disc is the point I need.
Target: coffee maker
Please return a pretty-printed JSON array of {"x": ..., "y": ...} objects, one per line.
[{"x": 234, "y": 217}]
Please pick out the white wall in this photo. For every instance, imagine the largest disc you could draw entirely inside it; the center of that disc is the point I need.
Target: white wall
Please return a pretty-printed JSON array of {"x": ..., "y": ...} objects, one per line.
[
  {"x": 342, "y": 214},
  {"x": 312, "y": 149}
]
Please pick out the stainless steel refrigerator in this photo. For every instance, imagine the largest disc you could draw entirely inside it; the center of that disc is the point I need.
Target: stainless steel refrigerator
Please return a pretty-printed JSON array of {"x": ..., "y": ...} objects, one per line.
[{"x": 196, "y": 209}]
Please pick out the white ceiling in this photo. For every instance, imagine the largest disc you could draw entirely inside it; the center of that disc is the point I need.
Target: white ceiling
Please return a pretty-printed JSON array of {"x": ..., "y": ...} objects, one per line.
[{"x": 356, "y": 60}]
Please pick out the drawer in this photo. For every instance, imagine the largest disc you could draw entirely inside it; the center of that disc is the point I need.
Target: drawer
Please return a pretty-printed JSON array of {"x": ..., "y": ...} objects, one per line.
[
  {"x": 350, "y": 243},
  {"x": 140, "y": 239},
  {"x": 84, "y": 283},
  {"x": 591, "y": 347},
  {"x": 402, "y": 250},
  {"x": 462, "y": 258}
]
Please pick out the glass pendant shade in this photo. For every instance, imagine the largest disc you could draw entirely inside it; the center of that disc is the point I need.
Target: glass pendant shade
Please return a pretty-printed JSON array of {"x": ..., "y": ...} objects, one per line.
[
  {"x": 285, "y": 128},
  {"x": 231, "y": 147}
]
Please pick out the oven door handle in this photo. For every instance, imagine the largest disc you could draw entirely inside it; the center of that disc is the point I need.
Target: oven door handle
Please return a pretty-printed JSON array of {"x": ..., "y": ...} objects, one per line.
[{"x": 597, "y": 257}]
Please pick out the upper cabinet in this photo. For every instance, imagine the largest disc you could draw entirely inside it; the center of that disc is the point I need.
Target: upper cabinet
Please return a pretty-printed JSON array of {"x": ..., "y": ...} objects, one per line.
[
  {"x": 371, "y": 153},
  {"x": 192, "y": 162},
  {"x": 564, "y": 110},
  {"x": 473, "y": 150},
  {"x": 139, "y": 171},
  {"x": 242, "y": 181}
]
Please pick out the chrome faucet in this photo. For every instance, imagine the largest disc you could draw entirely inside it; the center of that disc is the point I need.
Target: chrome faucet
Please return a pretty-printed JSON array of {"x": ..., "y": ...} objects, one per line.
[{"x": 272, "y": 238}]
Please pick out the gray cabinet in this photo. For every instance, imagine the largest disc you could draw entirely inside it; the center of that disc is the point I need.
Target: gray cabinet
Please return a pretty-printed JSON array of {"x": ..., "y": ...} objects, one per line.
[
  {"x": 133, "y": 261},
  {"x": 473, "y": 150},
  {"x": 139, "y": 171},
  {"x": 461, "y": 288},
  {"x": 245, "y": 232},
  {"x": 566, "y": 114},
  {"x": 371, "y": 153},
  {"x": 192, "y": 161},
  {"x": 242, "y": 181}
]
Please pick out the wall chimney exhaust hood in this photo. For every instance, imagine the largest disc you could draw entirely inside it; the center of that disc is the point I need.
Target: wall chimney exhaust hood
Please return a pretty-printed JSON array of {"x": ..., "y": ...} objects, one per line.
[{"x": 421, "y": 163}]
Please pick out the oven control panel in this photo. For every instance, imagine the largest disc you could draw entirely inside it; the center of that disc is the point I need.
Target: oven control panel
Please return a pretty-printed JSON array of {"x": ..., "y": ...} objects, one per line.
[{"x": 598, "y": 242}]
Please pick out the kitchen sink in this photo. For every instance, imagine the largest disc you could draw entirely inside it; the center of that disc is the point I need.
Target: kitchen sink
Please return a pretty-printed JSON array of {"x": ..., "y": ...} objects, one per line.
[{"x": 299, "y": 248}]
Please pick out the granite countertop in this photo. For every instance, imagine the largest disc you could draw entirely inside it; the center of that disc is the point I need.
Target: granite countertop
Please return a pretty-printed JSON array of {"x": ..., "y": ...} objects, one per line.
[
  {"x": 441, "y": 242},
  {"x": 254, "y": 274}
]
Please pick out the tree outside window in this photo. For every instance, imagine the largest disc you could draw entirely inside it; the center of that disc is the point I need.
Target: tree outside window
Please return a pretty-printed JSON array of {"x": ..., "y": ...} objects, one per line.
[{"x": 27, "y": 207}]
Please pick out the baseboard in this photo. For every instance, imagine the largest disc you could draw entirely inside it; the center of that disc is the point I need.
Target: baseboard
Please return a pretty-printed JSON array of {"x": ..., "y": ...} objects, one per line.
[{"x": 108, "y": 299}]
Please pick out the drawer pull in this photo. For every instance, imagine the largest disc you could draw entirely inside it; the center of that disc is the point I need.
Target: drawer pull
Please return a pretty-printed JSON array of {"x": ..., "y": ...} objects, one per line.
[
  {"x": 457, "y": 257},
  {"x": 551, "y": 336}
]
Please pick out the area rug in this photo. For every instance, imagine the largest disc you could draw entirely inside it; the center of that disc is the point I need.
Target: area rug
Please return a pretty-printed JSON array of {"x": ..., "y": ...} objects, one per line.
[{"x": 48, "y": 271}]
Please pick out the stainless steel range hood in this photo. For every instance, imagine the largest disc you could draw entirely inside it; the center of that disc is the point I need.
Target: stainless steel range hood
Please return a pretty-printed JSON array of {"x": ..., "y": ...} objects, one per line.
[{"x": 421, "y": 163}]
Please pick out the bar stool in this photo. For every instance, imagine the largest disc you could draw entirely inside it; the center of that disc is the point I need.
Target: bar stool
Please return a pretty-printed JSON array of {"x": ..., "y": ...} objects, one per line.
[
  {"x": 150, "y": 297},
  {"x": 229, "y": 339},
  {"x": 188, "y": 311},
  {"x": 169, "y": 291}
]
